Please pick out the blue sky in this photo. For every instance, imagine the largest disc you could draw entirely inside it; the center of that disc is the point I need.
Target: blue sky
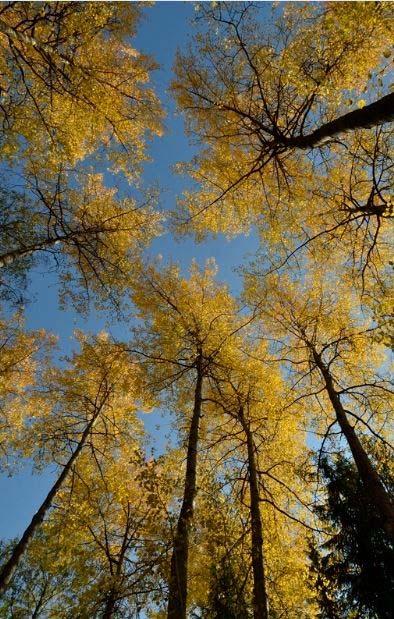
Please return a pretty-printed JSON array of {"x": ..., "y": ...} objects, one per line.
[{"x": 165, "y": 28}]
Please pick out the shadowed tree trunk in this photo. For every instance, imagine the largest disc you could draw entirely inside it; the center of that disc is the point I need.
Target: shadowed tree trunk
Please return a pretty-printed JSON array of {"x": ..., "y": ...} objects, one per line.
[
  {"x": 376, "y": 113},
  {"x": 10, "y": 566},
  {"x": 260, "y": 603},
  {"x": 179, "y": 561},
  {"x": 368, "y": 475},
  {"x": 110, "y": 605}
]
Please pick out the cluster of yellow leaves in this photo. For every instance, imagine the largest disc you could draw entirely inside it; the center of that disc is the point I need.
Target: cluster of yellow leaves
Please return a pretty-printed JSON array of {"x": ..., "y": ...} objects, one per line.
[
  {"x": 186, "y": 315},
  {"x": 109, "y": 527},
  {"x": 279, "y": 438},
  {"x": 246, "y": 90},
  {"x": 75, "y": 91},
  {"x": 19, "y": 361},
  {"x": 335, "y": 48},
  {"x": 113, "y": 234},
  {"x": 256, "y": 201},
  {"x": 82, "y": 85},
  {"x": 325, "y": 312},
  {"x": 102, "y": 382}
]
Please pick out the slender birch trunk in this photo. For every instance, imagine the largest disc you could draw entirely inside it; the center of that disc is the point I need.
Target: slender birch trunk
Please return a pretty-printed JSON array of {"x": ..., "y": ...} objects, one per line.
[
  {"x": 11, "y": 256},
  {"x": 179, "y": 562},
  {"x": 260, "y": 602},
  {"x": 15, "y": 254},
  {"x": 10, "y": 566},
  {"x": 367, "y": 472}
]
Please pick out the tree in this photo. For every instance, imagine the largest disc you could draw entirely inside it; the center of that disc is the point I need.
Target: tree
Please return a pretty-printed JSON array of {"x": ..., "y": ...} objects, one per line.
[
  {"x": 242, "y": 399},
  {"x": 328, "y": 344},
  {"x": 353, "y": 567},
  {"x": 264, "y": 452},
  {"x": 225, "y": 599},
  {"x": 73, "y": 85},
  {"x": 74, "y": 96},
  {"x": 37, "y": 589},
  {"x": 339, "y": 215},
  {"x": 190, "y": 325},
  {"x": 102, "y": 518},
  {"x": 94, "y": 238},
  {"x": 268, "y": 102},
  {"x": 89, "y": 557},
  {"x": 80, "y": 408}
]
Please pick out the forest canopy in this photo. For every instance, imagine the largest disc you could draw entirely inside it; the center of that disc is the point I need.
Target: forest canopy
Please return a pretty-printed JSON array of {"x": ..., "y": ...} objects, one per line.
[{"x": 210, "y": 438}]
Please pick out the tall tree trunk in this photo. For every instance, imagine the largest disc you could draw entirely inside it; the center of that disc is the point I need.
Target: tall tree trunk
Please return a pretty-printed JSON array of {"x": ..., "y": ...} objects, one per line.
[
  {"x": 376, "y": 113},
  {"x": 179, "y": 561},
  {"x": 10, "y": 566},
  {"x": 367, "y": 472},
  {"x": 260, "y": 602},
  {"x": 110, "y": 605}
]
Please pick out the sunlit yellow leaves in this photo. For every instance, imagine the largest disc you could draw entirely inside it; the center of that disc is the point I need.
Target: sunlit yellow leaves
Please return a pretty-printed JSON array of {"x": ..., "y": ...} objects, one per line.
[
  {"x": 342, "y": 44},
  {"x": 322, "y": 313},
  {"x": 103, "y": 383},
  {"x": 186, "y": 314},
  {"x": 250, "y": 99},
  {"x": 104, "y": 517},
  {"x": 84, "y": 91},
  {"x": 111, "y": 234},
  {"x": 23, "y": 355}
]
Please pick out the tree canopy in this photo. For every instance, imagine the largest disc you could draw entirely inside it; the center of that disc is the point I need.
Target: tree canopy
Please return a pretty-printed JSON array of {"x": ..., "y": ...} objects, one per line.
[{"x": 210, "y": 446}]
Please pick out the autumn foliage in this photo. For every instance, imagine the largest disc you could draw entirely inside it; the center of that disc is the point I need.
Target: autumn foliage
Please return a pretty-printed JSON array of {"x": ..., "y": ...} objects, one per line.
[{"x": 270, "y": 495}]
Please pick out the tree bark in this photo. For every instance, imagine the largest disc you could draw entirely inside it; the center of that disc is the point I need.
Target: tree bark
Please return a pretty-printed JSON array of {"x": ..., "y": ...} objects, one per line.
[
  {"x": 376, "y": 113},
  {"x": 179, "y": 561},
  {"x": 260, "y": 602},
  {"x": 110, "y": 605},
  {"x": 12, "y": 255},
  {"x": 10, "y": 566},
  {"x": 367, "y": 472}
]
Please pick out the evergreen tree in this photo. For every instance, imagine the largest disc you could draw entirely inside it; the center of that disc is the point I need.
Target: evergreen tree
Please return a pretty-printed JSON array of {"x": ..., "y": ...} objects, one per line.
[
  {"x": 354, "y": 568},
  {"x": 226, "y": 598}
]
